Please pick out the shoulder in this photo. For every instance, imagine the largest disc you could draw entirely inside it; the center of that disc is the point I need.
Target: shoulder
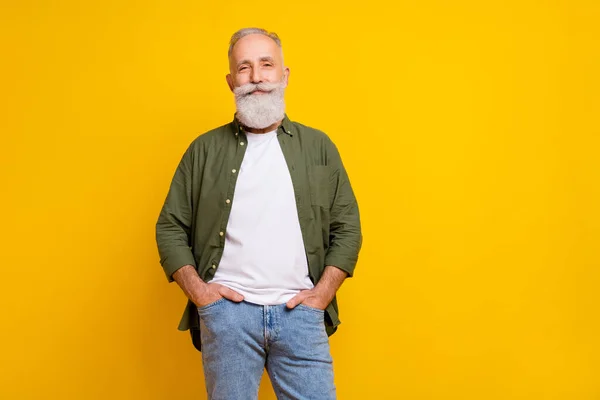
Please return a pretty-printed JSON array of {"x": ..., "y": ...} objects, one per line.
[
  {"x": 211, "y": 138},
  {"x": 219, "y": 134},
  {"x": 317, "y": 143},
  {"x": 313, "y": 136}
]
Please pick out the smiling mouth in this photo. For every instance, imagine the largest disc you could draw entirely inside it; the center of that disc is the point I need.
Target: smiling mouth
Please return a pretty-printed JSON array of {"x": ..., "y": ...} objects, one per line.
[{"x": 259, "y": 92}]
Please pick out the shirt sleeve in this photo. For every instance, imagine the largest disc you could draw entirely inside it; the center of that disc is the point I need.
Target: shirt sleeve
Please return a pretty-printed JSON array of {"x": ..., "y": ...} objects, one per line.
[
  {"x": 174, "y": 222},
  {"x": 345, "y": 236}
]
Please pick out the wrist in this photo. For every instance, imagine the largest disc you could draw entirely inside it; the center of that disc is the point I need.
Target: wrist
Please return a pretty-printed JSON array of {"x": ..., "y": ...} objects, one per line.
[
  {"x": 324, "y": 293},
  {"x": 199, "y": 294}
]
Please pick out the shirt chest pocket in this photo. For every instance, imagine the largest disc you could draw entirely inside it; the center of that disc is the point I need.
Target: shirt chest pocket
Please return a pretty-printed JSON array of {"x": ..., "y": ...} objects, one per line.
[{"x": 319, "y": 182}]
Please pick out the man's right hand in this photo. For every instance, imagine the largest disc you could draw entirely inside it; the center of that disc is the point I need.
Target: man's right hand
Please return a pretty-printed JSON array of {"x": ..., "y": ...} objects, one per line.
[
  {"x": 199, "y": 292},
  {"x": 212, "y": 292}
]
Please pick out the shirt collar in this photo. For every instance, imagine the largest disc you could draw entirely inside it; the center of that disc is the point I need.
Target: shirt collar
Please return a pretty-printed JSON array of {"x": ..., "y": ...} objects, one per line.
[{"x": 285, "y": 126}]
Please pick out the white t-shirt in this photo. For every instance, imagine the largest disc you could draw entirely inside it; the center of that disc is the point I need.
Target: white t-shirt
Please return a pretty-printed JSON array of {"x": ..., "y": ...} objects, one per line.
[{"x": 264, "y": 257}]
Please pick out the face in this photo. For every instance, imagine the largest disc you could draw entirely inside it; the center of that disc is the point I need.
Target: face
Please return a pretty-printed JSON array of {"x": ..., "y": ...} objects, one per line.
[
  {"x": 258, "y": 79},
  {"x": 254, "y": 59}
]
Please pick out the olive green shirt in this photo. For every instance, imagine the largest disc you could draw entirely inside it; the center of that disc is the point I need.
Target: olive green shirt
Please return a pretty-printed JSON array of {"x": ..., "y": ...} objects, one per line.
[{"x": 193, "y": 219}]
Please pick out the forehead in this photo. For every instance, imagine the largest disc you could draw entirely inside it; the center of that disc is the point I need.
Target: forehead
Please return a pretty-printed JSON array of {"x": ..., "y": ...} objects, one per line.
[{"x": 255, "y": 46}]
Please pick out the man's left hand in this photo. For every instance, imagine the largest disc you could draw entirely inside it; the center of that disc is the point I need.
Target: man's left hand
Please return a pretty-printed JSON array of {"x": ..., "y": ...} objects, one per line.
[
  {"x": 312, "y": 298},
  {"x": 323, "y": 293}
]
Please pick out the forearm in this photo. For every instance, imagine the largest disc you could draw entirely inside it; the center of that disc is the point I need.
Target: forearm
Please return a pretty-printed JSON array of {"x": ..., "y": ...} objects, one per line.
[
  {"x": 330, "y": 282},
  {"x": 190, "y": 282}
]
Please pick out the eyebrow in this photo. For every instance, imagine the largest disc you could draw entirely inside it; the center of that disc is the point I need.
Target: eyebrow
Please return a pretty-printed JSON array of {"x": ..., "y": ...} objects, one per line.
[{"x": 246, "y": 61}]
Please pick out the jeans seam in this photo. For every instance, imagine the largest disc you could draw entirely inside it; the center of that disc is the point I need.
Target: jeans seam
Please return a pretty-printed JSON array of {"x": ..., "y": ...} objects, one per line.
[{"x": 276, "y": 383}]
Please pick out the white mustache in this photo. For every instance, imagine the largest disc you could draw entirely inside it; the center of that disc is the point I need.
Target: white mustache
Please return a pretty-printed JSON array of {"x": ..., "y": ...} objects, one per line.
[
  {"x": 248, "y": 88},
  {"x": 260, "y": 111}
]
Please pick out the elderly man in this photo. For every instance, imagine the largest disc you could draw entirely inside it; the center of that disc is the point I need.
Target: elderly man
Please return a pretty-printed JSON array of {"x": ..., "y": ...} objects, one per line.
[{"x": 259, "y": 229}]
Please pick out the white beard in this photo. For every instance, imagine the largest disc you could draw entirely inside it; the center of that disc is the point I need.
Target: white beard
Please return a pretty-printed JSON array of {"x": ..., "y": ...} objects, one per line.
[{"x": 260, "y": 110}]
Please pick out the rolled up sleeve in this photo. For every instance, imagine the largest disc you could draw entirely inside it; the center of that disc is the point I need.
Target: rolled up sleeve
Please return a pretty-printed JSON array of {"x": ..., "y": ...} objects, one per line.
[
  {"x": 174, "y": 222},
  {"x": 345, "y": 236}
]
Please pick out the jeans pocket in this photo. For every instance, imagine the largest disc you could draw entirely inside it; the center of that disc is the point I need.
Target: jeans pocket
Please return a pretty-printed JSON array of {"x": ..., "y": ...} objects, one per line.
[
  {"x": 313, "y": 309},
  {"x": 210, "y": 305}
]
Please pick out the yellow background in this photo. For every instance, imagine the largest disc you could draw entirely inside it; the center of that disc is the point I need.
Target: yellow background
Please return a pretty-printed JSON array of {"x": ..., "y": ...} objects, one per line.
[{"x": 469, "y": 129}]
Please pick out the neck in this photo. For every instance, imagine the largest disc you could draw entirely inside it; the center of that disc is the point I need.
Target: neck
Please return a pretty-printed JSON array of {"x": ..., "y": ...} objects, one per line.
[{"x": 263, "y": 130}]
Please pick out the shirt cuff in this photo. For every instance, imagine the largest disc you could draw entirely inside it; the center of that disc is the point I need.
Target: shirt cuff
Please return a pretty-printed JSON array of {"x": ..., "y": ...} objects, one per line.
[{"x": 177, "y": 259}]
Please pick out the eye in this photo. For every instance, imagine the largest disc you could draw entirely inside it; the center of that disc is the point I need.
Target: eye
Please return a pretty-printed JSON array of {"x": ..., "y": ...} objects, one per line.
[{"x": 243, "y": 68}]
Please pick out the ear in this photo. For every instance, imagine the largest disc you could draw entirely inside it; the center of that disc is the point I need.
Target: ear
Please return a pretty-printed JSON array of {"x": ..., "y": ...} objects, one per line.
[
  {"x": 229, "y": 79},
  {"x": 286, "y": 75}
]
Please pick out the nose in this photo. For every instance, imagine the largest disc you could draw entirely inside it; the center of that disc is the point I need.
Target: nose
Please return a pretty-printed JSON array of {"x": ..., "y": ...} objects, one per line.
[{"x": 256, "y": 76}]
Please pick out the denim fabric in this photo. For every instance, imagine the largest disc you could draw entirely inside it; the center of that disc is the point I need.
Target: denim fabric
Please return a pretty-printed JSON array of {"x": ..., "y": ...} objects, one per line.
[{"x": 240, "y": 340}]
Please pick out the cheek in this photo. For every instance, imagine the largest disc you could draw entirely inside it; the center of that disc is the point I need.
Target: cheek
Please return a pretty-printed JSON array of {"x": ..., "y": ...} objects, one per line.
[
  {"x": 273, "y": 76},
  {"x": 241, "y": 79}
]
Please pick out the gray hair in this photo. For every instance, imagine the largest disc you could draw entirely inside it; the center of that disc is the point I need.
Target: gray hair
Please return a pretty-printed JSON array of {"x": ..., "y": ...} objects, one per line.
[{"x": 250, "y": 31}]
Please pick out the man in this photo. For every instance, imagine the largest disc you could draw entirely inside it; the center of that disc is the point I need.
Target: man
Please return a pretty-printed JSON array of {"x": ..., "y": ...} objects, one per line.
[{"x": 259, "y": 229}]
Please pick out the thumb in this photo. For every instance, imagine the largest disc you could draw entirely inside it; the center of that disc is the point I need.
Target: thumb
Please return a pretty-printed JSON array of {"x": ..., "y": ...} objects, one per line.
[
  {"x": 294, "y": 301},
  {"x": 230, "y": 294}
]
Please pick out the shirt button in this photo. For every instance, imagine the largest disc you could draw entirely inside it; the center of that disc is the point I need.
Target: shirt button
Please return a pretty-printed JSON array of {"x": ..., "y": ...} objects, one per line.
[
  {"x": 221, "y": 233},
  {"x": 241, "y": 143},
  {"x": 227, "y": 201},
  {"x": 234, "y": 171},
  {"x": 214, "y": 266}
]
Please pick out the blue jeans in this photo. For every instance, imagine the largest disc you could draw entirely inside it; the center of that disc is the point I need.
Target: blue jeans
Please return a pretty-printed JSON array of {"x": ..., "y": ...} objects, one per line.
[{"x": 240, "y": 340}]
